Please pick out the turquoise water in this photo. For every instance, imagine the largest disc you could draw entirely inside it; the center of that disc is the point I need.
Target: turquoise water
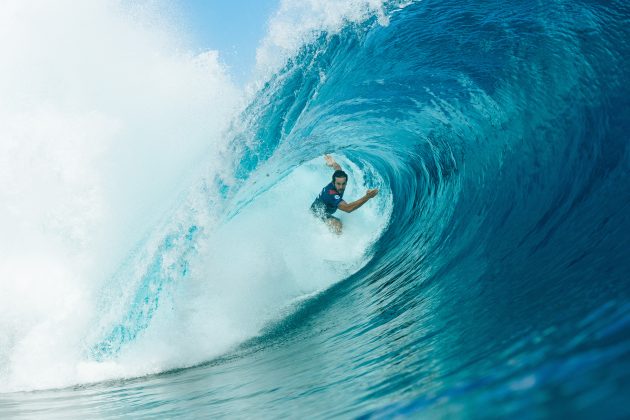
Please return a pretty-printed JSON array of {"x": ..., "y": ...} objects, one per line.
[{"x": 489, "y": 279}]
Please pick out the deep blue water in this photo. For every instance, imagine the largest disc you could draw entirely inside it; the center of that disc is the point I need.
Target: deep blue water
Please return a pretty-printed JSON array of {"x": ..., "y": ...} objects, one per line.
[{"x": 500, "y": 286}]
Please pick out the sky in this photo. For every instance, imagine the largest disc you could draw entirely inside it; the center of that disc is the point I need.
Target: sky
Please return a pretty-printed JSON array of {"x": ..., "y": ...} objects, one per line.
[{"x": 233, "y": 27}]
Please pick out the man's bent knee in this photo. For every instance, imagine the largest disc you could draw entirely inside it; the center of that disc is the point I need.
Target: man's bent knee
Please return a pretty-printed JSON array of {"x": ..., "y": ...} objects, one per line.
[{"x": 334, "y": 224}]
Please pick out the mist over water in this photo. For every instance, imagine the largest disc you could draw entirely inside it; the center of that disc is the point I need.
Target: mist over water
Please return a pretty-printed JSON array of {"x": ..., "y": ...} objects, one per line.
[{"x": 101, "y": 117}]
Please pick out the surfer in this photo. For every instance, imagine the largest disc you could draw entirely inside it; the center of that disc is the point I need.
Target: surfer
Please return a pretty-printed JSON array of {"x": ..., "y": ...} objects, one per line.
[{"x": 331, "y": 198}]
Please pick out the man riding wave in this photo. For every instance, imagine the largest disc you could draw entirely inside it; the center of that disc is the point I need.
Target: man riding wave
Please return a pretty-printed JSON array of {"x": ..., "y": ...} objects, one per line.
[{"x": 331, "y": 198}]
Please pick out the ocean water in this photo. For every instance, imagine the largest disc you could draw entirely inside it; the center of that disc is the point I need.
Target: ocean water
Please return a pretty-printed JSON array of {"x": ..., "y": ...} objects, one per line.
[{"x": 154, "y": 271}]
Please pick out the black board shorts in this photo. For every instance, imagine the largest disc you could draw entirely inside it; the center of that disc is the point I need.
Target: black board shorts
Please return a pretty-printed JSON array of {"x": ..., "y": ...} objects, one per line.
[{"x": 319, "y": 210}]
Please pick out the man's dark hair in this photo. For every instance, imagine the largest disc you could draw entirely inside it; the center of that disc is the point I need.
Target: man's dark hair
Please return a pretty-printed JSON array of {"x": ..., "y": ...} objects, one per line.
[{"x": 339, "y": 174}]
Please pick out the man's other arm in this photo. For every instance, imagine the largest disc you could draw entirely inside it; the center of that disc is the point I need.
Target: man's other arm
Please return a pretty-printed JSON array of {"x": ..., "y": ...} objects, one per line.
[
  {"x": 331, "y": 162},
  {"x": 350, "y": 207}
]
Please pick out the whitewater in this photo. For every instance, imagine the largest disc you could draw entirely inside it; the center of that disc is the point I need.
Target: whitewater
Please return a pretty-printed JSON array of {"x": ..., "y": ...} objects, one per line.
[{"x": 157, "y": 255}]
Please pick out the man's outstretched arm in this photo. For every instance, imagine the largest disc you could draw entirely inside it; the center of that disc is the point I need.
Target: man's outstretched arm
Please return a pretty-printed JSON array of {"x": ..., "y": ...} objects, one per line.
[
  {"x": 350, "y": 207},
  {"x": 331, "y": 162}
]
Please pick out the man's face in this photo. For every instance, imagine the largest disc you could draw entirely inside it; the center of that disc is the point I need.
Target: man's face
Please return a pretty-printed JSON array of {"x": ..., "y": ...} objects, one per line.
[{"x": 340, "y": 184}]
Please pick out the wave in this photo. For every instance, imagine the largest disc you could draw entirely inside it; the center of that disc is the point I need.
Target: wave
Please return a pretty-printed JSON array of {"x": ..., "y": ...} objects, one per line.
[{"x": 493, "y": 265}]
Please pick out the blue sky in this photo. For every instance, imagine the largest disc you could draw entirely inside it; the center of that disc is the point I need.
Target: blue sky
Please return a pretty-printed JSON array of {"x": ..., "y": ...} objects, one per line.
[{"x": 234, "y": 27}]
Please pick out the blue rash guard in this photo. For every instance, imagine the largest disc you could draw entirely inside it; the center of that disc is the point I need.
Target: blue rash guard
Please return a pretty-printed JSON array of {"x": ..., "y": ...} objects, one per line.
[{"x": 327, "y": 201}]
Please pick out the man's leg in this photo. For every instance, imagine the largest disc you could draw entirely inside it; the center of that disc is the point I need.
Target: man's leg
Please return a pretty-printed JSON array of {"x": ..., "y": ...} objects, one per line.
[{"x": 334, "y": 224}]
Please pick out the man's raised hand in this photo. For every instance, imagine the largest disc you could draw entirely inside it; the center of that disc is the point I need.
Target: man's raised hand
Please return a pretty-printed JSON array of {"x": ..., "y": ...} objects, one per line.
[{"x": 331, "y": 162}]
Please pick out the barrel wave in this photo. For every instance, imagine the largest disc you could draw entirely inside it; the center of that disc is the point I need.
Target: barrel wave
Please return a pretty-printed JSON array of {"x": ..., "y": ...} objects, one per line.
[{"x": 490, "y": 277}]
